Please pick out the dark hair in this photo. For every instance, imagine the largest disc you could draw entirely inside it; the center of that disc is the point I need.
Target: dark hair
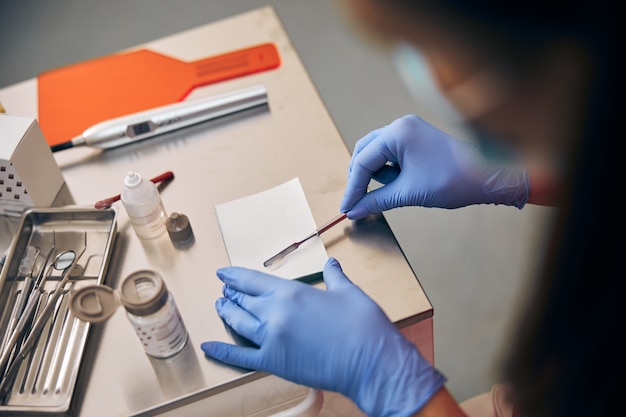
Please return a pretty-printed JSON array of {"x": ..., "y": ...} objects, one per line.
[
  {"x": 566, "y": 357},
  {"x": 517, "y": 29}
]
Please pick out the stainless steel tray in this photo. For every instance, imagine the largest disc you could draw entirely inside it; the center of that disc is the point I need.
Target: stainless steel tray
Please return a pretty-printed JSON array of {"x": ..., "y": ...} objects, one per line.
[{"x": 46, "y": 378}]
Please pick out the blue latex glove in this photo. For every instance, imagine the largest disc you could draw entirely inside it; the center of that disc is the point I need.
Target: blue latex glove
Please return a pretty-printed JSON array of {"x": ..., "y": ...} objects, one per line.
[
  {"x": 420, "y": 165},
  {"x": 336, "y": 339}
]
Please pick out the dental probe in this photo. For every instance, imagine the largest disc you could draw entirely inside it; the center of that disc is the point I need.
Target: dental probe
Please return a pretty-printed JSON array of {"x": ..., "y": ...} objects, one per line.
[{"x": 149, "y": 123}]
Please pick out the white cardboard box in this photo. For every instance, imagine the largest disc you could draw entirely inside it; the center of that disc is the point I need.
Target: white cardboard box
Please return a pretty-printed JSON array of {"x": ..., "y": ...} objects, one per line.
[{"x": 29, "y": 174}]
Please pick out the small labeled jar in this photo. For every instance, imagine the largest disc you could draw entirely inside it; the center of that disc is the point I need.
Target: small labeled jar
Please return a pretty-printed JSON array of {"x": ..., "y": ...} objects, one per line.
[{"x": 149, "y": 306}]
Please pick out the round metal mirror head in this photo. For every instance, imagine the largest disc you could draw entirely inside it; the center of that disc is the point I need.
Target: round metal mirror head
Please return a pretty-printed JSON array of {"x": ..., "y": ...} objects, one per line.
[{"x": 64, "y": 259}]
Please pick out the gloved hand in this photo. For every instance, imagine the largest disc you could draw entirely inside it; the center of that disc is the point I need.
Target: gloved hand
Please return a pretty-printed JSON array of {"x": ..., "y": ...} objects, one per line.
[
  {"x": 336, "y": 339},
  {"x": 420, "y": 165}
]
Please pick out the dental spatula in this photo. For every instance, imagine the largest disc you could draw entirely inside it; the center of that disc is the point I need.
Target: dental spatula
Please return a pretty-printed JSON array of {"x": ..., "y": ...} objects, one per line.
[{"x": 295, "y": 245}]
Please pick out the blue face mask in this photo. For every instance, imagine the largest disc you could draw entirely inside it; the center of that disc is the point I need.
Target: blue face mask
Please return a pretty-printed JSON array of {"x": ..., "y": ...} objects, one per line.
[{"x": 414, "y": 70}]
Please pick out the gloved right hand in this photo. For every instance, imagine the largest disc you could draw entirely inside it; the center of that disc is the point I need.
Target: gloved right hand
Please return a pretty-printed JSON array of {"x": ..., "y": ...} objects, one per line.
[
  {"x": 336, "y": 339},
  {"x": 420, "y": 165}
]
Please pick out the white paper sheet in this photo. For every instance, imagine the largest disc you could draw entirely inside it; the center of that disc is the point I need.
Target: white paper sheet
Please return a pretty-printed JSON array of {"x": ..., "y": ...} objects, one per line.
[{"x": 256, "y": 227}]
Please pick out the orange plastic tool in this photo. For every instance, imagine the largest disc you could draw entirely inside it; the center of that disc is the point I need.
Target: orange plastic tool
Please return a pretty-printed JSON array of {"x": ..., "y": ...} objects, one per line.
[{"x": 75, "y": 97}]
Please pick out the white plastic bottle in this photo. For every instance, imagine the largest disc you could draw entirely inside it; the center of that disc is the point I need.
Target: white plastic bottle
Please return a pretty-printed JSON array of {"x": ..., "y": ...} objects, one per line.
[{"x": 144, "y": 207}]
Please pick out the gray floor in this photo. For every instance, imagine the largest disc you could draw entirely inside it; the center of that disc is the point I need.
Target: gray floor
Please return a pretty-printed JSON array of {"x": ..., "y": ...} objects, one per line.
[{"x": 472, "y": 262}]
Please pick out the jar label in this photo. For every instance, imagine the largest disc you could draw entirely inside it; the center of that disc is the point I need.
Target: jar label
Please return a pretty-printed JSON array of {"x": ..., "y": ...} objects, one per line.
[{"x": 163, "y": 337}]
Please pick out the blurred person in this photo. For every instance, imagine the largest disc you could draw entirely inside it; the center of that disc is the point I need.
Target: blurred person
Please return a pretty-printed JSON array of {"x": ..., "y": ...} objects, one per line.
[{"x": 537, "y": 81}]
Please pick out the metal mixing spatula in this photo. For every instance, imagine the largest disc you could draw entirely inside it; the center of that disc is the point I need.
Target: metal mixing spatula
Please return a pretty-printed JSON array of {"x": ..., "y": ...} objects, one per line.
[{"x": 281, "y": 255}]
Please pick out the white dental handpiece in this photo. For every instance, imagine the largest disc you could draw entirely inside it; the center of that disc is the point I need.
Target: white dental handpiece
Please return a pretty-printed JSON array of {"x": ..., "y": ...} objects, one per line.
[{"x": 146, "y": 124}]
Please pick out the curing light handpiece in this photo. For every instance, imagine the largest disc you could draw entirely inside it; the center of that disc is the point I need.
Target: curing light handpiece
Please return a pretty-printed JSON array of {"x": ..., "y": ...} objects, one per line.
[{"x": 147, "y": 124}]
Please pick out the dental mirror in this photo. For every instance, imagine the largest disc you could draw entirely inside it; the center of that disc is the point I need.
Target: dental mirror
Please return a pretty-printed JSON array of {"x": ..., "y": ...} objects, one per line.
[
  {"x": 64, "y": 259},
  {"x": 61, "y": 262}
]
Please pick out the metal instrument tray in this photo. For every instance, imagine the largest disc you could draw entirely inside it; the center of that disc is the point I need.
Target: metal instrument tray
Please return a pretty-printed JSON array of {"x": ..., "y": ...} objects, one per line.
[{"x": 46, "y": 379}]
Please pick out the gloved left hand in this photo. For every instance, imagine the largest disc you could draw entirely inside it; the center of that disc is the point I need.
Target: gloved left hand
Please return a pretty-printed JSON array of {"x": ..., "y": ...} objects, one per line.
[{"x": 336, "y": 339}]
